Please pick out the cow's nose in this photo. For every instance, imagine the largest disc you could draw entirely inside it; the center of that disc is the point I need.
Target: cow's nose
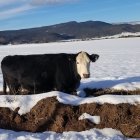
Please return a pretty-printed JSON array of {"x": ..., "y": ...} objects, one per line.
[{"x": 86, "y": 75}]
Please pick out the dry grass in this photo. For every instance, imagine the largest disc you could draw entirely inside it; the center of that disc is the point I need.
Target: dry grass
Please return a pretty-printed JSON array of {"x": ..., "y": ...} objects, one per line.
[
  {"x": 94, "y": 92},
  {"x": 97, "y": 92}
]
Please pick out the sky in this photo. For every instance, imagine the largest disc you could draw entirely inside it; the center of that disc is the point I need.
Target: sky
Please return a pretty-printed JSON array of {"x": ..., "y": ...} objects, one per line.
[{"x": 19, "y": 14}]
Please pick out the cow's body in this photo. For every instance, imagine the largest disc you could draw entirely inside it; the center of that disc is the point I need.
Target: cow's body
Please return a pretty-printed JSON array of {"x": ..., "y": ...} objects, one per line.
[{"x": 40, "y": 73}]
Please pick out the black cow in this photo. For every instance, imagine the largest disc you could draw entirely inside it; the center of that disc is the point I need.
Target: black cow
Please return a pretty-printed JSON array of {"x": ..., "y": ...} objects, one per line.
[{"x": 46, "y": 72}]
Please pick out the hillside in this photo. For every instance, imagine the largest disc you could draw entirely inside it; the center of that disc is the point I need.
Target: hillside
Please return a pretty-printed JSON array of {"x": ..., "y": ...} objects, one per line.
[{"x": 65, "y": 31}]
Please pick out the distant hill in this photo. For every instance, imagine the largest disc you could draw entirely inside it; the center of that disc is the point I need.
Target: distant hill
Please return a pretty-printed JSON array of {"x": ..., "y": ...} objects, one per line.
[{"x": 66, "y": 31}]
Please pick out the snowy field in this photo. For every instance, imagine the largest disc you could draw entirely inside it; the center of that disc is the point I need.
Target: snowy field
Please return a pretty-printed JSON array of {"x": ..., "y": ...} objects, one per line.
[{"x": 118, "y": 67}]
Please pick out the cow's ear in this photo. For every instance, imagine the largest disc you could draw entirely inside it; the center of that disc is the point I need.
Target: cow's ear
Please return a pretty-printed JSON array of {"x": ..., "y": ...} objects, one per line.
[{"x": 94, "y": 57}]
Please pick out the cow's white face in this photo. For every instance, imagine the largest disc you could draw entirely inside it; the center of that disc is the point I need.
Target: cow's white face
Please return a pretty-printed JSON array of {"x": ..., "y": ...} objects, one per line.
[
  {"x": 83, "y": 60},
  {"x": 83, "y": 65}
]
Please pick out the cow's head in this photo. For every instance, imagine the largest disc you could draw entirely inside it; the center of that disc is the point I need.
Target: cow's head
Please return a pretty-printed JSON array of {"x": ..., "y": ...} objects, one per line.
[{"x": 83, "y": 60}]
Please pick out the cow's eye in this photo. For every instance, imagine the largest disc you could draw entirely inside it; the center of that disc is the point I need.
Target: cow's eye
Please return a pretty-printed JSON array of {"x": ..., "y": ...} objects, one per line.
[{"x": 77, "y": 62}]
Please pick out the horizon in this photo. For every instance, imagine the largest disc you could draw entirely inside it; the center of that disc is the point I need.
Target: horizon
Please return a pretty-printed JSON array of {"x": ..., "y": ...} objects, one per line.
[
  {"x": 25, "y": 14},
  {"x": 68, "y": 22}
]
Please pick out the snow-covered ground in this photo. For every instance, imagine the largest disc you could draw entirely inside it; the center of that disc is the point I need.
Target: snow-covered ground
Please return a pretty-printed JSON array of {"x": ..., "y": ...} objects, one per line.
[
  {"x": 27, "y": 102},
  {"x": 121, "y": 35},
  {"x": 118, "y": 67},
  {"x": 93, "y": 134},
  {"x": 94, "y": 119}
]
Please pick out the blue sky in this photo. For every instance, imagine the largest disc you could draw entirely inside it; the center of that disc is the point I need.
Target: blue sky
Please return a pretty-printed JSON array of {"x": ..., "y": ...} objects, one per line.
[{"x": 19, "y": 14}]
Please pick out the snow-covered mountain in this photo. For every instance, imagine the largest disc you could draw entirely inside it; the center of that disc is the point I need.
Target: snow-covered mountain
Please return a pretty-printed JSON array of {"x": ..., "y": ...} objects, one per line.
[
  {"x": 131, "y": 22},
  {"x": 66, "y": 31}
]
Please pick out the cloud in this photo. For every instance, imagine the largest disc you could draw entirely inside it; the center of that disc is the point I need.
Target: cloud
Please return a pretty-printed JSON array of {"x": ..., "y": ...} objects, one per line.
[
  {"x": 14, "y": 11},
  {"x": 49, "y": 2},
  {"x": 11, "y": 8},
  {"x": 7, "y": 2}
]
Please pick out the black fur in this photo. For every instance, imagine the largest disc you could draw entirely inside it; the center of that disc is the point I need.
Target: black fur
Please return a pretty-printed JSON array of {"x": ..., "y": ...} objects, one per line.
[{"x": 40, "y": 73}]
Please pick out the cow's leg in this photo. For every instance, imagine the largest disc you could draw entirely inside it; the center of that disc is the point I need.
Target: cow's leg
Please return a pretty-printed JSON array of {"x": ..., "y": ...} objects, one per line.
[
  {"x": 62, "y": 87},
  {"x": 14, "y": 86},
  {"x": 14, "y": 89},
  {"x": 65, "y": 89},
  {"x": 4, "y": 86}
]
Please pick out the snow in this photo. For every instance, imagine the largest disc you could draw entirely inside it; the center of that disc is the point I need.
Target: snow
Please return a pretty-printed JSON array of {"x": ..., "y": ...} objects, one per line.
[
  {"x": 27, "y": 102},
  {"x": 93, "y": 134},
  {"x": 118, "y": 67},
  {"x": 94, "y": 119},
  {"x": 118, "y": 83},
  {"x": 131, "y": 23},
  {"x": 118, "y": 63},
  {"x": 123, "y": 34},
  {"x": 116, "y": 36},
  {"x": 112, "y": 99}
]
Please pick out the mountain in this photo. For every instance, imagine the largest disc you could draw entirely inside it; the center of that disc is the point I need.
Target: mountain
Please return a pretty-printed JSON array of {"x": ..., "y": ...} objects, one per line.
[
  {"x": 66, "y": 31},
  {"x": 132, "y": 22}
]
